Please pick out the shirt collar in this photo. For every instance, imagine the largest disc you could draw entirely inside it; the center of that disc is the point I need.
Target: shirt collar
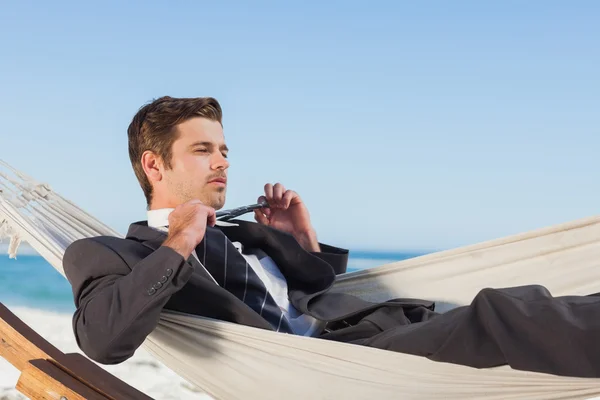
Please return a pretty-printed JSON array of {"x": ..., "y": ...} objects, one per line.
[{"x": 159, "y": 219}]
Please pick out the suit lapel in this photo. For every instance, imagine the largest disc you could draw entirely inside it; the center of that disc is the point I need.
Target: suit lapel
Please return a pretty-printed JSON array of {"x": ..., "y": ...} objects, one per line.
[
  {"x": 303, "y": 271},
  {"x": 153, "y": 239},
  {"x": 307, "y": 275}
]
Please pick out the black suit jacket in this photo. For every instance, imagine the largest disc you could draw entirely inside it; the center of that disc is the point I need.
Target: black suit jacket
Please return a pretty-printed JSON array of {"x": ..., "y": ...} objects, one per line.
[{"x": 120, "y": 286}]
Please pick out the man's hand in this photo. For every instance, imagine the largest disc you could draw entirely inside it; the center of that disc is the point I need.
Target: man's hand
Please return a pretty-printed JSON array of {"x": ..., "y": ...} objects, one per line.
[
  {"x": 187, "y": 226},
  {"x": 287, "y": 213}
]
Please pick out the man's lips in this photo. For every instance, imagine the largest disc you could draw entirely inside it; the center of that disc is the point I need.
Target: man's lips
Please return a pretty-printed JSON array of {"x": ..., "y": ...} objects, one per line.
[{"x": 221, "y": 181}]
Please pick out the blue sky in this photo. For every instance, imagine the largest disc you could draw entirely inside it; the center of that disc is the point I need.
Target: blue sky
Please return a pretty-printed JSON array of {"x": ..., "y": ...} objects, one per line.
[{"x": 404, "y": 126}]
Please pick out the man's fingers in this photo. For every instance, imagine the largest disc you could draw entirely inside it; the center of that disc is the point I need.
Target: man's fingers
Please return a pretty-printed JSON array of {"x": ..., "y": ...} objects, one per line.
[
  {"x": 260, "y": 218},
  {"x": 277, "y": 196},
  {"x": 211, "y": 216},
  {"x": 288, "y": 196},
  {"x": 269, "y": 192},
  {"x": 264, "y": 210},
  {"x": 278, "y": 191}
]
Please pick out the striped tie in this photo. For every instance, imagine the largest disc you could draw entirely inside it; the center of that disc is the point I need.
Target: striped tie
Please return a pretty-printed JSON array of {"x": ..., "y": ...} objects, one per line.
[{"x": 230, "y": 269}]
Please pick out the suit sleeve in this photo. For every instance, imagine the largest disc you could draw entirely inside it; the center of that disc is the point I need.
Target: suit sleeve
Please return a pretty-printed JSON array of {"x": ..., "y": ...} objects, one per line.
[
  {"x": 334, "y": 256},
  {"x": 118, "y": 306}
]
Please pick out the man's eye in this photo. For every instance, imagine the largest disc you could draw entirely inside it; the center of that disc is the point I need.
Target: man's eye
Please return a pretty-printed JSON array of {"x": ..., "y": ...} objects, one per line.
[
  {"x": 224, "y": 155},
  {"x": 201, "y": 150}
]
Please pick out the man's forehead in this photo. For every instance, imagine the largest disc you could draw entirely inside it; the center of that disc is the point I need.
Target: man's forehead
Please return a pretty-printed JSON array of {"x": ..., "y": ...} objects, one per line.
[{"x": 200, "y": 130}]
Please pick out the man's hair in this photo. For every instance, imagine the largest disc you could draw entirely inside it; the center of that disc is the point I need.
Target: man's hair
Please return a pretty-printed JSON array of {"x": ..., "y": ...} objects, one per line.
[{"x": 154, "y": 128}]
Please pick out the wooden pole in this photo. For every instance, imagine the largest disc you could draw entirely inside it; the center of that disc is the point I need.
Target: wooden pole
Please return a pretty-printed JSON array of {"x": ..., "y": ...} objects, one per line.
[{"x": 46, "y": 372}]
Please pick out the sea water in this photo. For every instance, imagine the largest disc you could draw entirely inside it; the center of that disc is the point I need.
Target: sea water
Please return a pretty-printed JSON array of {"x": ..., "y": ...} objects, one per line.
[{"x": 30, "y": 281}]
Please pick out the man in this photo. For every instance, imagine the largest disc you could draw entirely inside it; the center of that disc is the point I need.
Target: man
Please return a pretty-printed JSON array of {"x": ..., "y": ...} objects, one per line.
[
  {"x": 262, "y": 275},
  {"x": 275, "y": 275}
]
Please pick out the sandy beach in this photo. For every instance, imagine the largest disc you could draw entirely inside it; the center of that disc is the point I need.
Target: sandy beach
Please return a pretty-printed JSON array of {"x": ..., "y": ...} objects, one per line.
[{"x": 142, "y": 371}]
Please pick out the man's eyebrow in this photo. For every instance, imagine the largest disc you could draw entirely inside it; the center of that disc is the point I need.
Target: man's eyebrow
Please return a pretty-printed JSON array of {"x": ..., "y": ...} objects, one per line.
[{"x": 209, "y": 144}]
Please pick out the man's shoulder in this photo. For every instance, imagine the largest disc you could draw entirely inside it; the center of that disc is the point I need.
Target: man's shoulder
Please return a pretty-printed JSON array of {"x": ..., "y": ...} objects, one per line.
[
  {"x": 102, "y": 241},
  {"x": 99, "y": 246},
  {"x": 99, "y": 255}
]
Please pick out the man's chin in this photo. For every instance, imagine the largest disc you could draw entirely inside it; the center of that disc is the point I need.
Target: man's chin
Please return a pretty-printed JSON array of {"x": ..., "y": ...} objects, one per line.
[{"x": 217, "y": 202}]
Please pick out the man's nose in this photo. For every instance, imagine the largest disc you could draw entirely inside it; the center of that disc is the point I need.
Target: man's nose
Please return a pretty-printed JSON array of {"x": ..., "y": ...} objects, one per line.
[{"x": 220, "y": 162}]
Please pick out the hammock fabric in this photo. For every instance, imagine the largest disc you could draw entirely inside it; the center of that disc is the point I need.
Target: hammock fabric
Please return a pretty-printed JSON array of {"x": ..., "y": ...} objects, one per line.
[{"x": 231, "y": 361}]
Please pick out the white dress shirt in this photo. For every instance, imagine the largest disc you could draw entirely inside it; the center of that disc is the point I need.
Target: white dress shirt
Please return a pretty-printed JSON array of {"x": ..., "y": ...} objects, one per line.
[{"x": 267, "y": 271}]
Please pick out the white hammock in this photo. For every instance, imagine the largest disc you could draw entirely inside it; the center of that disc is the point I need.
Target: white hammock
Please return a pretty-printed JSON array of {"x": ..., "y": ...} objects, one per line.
[{"x": 231, "y": 361}]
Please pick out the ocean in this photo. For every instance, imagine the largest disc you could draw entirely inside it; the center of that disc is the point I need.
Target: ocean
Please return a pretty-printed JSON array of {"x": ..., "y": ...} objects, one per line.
[{"x": 29, "y": 280}]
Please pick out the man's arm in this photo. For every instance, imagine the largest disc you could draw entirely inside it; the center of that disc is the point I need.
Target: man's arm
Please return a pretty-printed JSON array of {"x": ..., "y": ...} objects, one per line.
[
  {"x": 334, "y": 256},
  {"x": 117, "y": 307}
]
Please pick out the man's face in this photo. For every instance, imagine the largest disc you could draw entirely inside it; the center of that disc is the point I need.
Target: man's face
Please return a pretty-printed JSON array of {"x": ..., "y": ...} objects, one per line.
[{"x": 198, "y": 164}]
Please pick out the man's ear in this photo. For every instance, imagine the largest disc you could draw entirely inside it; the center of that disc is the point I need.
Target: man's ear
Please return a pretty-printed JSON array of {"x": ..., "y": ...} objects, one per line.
[{"x": 152, "y": 165}]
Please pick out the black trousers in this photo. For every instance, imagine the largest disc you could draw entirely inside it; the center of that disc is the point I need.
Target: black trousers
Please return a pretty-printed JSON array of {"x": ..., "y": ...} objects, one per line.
[{"x": 524, "y": 327}]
